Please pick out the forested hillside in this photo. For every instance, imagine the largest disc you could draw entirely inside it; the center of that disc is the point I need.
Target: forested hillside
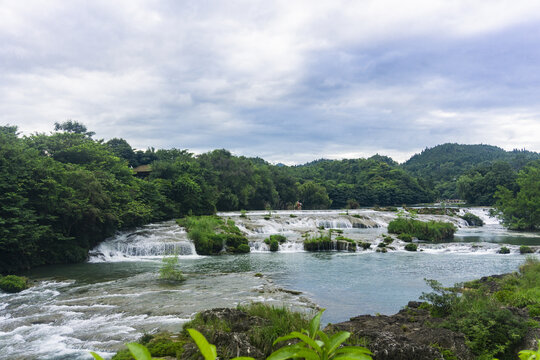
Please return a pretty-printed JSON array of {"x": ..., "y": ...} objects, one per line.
[
  {"x": 484, "y": 165},
  {"x": 64, "y": 192}
]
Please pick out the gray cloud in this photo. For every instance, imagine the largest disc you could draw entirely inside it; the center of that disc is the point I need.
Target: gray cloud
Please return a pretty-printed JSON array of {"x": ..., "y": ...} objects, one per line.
[{"x": 287, "y": 81}]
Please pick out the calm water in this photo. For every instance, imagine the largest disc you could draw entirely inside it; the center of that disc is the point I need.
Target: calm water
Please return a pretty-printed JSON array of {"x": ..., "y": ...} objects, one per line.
[{"x": 117, "y": 297}]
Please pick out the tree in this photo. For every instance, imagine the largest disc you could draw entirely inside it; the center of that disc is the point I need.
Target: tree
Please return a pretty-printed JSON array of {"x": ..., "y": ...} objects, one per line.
[
  {"x": 75, "y": 127},
  {"x": 521, "y": 209}
]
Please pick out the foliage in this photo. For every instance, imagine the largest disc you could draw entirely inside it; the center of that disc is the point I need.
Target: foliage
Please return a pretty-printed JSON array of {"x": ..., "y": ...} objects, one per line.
[
  {"x": 321, "y": 242},
  {"x": 13, "y": 283},
  {"x": 431, "y": 230},
  {"x": 169, "y": 270},
  {"x": 405, "y": 237},
  {"x": 472, "y": 219},
  {"x": 521, "y": 208},
  {"x": 479, "y": 185},
  {"x": 504, "y": 250},
  {"x": 523, "y": 249},
  {"x": 440, "y": 168},
  {"x": 530, "y": 354},
  {"x": 411, "y": 247},
  {"x": 314, "y": 344},
  {"x": 483, "y": 312},
  {"x": 211, "y": 234}
]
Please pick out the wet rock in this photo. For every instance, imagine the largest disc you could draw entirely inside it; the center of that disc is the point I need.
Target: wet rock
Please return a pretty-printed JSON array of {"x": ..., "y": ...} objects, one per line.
[{"x": 410, "y": 334}]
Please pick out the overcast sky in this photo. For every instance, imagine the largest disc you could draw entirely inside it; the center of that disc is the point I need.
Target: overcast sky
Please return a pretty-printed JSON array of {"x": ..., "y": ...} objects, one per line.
[{"x": 289, "y": 81}]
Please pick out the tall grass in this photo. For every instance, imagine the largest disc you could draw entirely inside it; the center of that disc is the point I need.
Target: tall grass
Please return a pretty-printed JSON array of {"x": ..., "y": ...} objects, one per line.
[{"x": 431, "y": 230}]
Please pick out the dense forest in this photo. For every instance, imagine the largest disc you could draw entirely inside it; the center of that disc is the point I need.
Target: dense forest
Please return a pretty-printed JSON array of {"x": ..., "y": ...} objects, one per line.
[{"x": 62, "y": 193}]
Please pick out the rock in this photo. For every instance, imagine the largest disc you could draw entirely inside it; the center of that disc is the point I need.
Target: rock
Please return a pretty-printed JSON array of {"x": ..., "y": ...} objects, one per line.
[{"x": 407, "y": 335}]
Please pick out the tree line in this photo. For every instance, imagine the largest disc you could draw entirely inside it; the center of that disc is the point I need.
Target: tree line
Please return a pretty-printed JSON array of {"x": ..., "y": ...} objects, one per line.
[{"x": 62, "y": 193}]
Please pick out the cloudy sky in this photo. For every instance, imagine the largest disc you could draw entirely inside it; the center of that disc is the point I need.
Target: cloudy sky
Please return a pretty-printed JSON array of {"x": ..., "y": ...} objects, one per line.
[{"x": 289, "y": 81}]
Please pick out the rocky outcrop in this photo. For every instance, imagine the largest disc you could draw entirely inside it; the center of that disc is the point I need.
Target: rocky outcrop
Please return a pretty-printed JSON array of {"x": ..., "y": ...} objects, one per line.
[{"x": 410, "y": 334}]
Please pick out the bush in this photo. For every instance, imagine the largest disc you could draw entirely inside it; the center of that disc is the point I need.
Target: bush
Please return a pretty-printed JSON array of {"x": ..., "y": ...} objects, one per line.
[
  {"x": 210, "y": 234},
  {"x": 504, "y": 250},
  {"x": 320, "y": 243},
  {"x": 274, "y": 245},
  {"x": 405, "y": 237},
  {"x": 243, "y": 249},
  {"x": 472, "y": 219},
  {"x": 13, "y": 283},
  {"x": 431, "y": 230},
  {"x": 525, "y": 250},
  {"x": 411, "y": 247},
  {"x": 169, "y": 270},
  {"x": 365, "y": 245}
]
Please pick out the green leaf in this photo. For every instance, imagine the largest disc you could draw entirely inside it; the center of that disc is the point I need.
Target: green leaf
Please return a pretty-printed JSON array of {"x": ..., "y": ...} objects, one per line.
[
  {"x": 353, "y": 356},
  {"x": 207, "y": 350},
  {"x": 323, "y": 336},
  {"x": 294, "y": 351},
  {"x": 336, "y": 340},
  {"x": 139, "y": 352},
  {"x": 96, "y": 356},
  {"x": 243, "y": 358},
  {"x": 315, "y": 323},
  {"x": 306, "y": 339},
  {"x": 353, "y": 349}
]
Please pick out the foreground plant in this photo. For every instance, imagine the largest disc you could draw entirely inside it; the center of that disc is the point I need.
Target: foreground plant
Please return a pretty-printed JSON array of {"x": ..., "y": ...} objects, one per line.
[
  {"x": 138, "y": 351},
  {"x": 530, "y": 354},
  {"x": 316, "y": 345}
]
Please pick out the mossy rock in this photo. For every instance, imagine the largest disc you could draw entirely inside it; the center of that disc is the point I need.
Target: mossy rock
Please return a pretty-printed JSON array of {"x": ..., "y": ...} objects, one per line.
[
  {"x": 274, "y": 245},
  {"x": 13, "y": 283},
  {"x": 411, "y": 247},
  {"x": 405, "y": 237},
  {"x": 525, "y": 250},
  {"x": 243, "y": 249},
  {"x": 504, "y": 250}
]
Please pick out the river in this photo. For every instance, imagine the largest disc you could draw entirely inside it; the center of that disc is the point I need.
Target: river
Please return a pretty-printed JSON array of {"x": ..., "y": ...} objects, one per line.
[{"x": 117, "y": 296}]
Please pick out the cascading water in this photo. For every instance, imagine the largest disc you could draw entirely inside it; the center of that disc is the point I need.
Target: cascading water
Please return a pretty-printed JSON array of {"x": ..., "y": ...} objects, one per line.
[{"x": 151, "y": 241}]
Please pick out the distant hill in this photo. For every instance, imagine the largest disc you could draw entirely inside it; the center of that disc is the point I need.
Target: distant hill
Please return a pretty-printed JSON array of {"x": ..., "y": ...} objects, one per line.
[{"x": 442, "y": 165}]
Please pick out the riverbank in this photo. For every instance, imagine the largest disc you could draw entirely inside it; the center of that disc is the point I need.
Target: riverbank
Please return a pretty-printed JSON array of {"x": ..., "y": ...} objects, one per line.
[{"x": 493, "y": 316}]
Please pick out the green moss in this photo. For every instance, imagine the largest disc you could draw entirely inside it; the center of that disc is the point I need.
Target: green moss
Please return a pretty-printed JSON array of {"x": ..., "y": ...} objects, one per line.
[
  {"x": 504, "y": 250},
  {"x": 274, "y": 245},
  {"x": 405, "y": 237},
  {"x": 472, "y": 219},
  {"x": 13, "y": 283},
  {"x": 243, "y": 249},
  {"x": 525, "y": 250},
  {"x": 431, "y": 230},
  {"x": 411, "y": 247}
]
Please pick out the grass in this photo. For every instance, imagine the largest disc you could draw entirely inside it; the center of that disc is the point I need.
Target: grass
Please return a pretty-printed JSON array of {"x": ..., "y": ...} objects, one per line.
[
  {"x": 280, "y": 321},
  {"x": 483, "y": 310},
  {"x": 318, "y": 243},
  {"x": 431, "y": 230}
]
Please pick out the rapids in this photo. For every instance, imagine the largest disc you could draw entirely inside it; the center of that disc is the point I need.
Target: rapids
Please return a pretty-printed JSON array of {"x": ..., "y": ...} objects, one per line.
[{"x": 116, "y": 296}]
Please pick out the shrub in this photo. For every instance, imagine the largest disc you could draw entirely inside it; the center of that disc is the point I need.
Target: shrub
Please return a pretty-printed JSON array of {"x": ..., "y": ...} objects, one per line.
[
  {"x": 243, "y": 248},
  {"x": 472, "y": 219},
  {"x": 525, "y": 250},
  {"x": 13, "y": 283},
  {"x": 405, "y": 237},
  {"x": 279, "y": 238},
  {"x": 504, "y": 250},
  {"x": 320, "y": 243},
  {"x": 411, "y": 247},
  {"x": 169, "y": 270},
  {"x": 274, "y": 245},
  {"x": 210, "y": 234},
  {"x": 431, "y": 230},
  {"x": 365, "y": 245}
]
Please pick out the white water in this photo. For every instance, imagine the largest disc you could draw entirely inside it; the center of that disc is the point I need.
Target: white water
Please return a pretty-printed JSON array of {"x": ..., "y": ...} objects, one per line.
[
  {"x": 154, "y": 241},
  {"x": 117, "y": 296}
]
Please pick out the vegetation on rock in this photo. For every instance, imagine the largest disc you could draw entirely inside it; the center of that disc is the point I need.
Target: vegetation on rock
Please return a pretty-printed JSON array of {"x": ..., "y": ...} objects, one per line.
[
  {"x": 430, "y": 230},
  {"x": 13, "y": 283}
]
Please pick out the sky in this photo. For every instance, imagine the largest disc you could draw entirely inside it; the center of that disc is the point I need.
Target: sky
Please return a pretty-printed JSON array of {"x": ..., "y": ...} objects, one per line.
[{"x": 289, "y": 81}]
